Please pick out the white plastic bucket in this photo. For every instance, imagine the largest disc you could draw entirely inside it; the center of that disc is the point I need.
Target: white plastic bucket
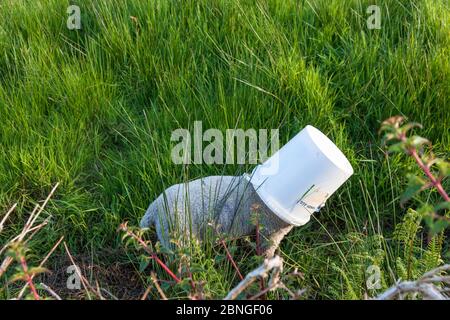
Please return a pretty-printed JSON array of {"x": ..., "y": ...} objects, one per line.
[{"x": 298, "y": 179}]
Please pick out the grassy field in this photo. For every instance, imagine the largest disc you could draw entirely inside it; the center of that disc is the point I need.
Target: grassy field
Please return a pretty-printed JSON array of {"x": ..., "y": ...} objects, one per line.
[{"x": 93, "y": 109}]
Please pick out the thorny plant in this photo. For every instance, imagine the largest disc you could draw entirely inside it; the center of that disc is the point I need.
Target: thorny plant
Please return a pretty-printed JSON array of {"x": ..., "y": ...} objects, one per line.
[
  {"x": 183, "y": 279},
  {"x": 176, "y": 264},
  {"x": 24, "y": 273},
  {"x": 434, "y": 170},
  {"x": 16, "y": 250}
]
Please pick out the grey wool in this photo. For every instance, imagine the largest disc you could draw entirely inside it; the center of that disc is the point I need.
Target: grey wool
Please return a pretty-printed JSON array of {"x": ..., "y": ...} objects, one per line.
[{"x": 225, "y": 204}]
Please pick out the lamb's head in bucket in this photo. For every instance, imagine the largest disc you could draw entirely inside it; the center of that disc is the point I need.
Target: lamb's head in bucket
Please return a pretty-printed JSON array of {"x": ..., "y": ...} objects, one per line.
[
  {"x": 287, "y": 188},
  {"x": 297, "y": 180}
]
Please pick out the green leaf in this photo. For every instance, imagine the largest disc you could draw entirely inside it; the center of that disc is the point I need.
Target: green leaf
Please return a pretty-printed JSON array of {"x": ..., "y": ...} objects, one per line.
[
  {"x": 447, "y": 254},
  {"x": 185, "y": 284},
  {"x": 165, "y": 285},
  {"x": 444, "y": 167},
  {"x": 18, "y": 277},
  {"x": 163, "y": 250},
  {"x": 437, "y": 226},
  {"x": 219, "y": 258},
  {"x": 415, "y": 183},
  {"x": 397, "y": 147},
  {"x": 195, "y": 268},
  {"x": 387, "y": 137},
  {"x": 425, "y": 211},
  {"x": 143, "y": 263},
  {"x": 405, "y": 128},
  {"x": 37, "y": 270},
  {"x": 417, "y": 142},
  {"x": 441, "y": 206}
]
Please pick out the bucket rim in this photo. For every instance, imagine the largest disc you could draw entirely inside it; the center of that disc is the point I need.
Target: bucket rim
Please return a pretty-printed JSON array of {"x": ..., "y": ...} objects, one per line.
[{"x": 277, "y": 209}]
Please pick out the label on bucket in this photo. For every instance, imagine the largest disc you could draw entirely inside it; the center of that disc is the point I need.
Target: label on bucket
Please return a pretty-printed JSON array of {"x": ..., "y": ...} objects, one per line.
[{"x": 312, "y": 199}]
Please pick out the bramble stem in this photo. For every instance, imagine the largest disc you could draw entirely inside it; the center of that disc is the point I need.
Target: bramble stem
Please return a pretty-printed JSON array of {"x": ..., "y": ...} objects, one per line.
[
  {"x": 436, "y": 183},
  {"x": 29, "y": 280},
  {"x": 151, "y": 253},
  {"x": 230, "y": 258}
]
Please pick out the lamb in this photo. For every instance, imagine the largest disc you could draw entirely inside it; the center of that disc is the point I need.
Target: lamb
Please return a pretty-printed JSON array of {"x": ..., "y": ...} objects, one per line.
[
  {"x": 224, "y": 203},
  {"x": 295, "y": 182}
]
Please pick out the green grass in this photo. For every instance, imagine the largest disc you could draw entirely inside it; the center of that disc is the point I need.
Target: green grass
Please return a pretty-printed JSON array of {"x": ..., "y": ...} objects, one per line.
[{"x": 94, "y": 109}]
